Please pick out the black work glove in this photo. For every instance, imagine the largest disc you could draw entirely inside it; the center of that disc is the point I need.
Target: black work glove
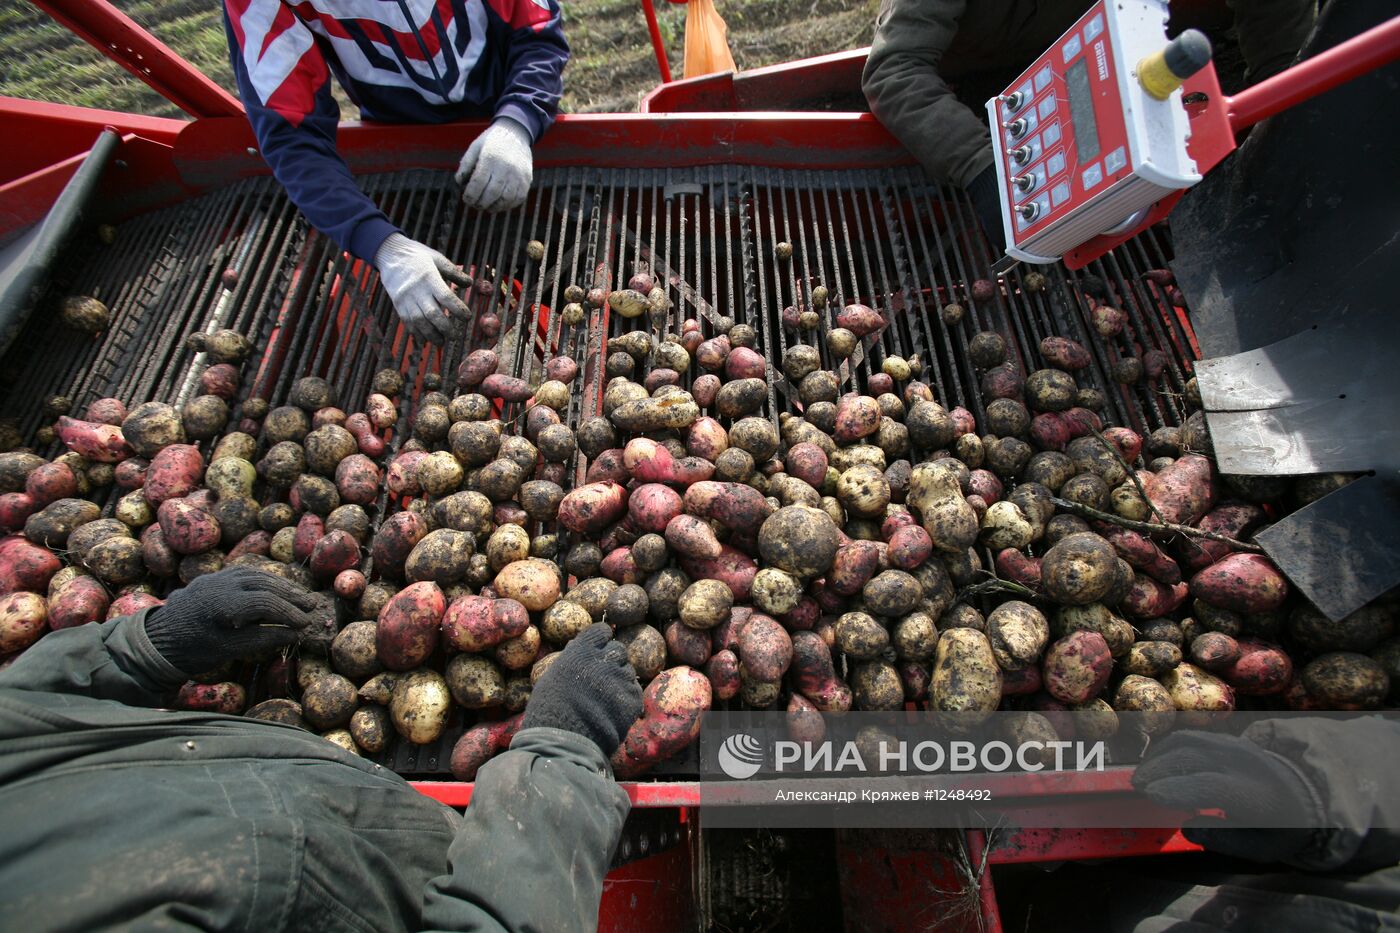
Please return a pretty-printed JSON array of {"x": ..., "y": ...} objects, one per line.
[
  {"x": 592, "y": 690},
  {"x": 1253, "y": 786},
  {"x": 987, "y": 202},
  {"x": 226, "y": 615}
]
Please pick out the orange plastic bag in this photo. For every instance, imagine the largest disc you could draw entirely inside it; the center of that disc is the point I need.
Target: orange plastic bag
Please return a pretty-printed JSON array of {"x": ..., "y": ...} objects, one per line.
[{"x": 706, "y": 40}]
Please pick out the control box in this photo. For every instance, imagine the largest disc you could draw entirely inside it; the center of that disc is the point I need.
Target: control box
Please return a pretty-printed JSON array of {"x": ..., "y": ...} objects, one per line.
[{"x": 1081, "y": 147}]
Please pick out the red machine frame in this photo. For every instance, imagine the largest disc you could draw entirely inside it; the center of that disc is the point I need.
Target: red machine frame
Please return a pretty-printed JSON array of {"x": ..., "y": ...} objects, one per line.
[{"x": 745, "y": 117}]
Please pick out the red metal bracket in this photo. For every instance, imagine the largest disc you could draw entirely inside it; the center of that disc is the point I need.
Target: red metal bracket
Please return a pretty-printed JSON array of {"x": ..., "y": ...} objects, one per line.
[
  {"x": 125, "y": 42},
  {"x": 657, "y": 45}
]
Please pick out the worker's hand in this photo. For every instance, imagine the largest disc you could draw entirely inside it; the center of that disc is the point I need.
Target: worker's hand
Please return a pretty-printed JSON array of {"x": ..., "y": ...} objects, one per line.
[
  {"x": 1256, "y": 788},
  {"x": 413, "y": 275},
  {"x": 591, "y": 690},
  {"x": 986, "y": 201},
  {"x": 227, "y": 615},
  {"x": 498, "y": 167}
]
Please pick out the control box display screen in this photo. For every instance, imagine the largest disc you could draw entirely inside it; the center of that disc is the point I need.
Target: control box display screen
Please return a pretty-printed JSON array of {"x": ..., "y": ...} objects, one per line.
[{"x": 1081, "y": 111}]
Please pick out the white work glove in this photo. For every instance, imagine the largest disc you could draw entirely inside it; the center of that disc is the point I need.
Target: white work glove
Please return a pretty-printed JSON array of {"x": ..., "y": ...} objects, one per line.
[
  {"x": 413, "y": 275},
  {"x": 498, "y": 167}
]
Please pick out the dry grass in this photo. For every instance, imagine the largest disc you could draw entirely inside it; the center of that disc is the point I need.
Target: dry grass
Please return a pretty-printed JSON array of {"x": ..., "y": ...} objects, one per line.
[{"x": 612, "y": 64}]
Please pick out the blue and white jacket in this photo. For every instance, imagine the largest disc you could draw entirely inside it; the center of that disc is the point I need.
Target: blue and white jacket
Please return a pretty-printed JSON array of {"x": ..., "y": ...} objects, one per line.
[{"x": 400, "y": 61}]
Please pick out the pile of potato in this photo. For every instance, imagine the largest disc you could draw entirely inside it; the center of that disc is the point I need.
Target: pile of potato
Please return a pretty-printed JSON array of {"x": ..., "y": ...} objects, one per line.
[{"x": 866, "y": 552}]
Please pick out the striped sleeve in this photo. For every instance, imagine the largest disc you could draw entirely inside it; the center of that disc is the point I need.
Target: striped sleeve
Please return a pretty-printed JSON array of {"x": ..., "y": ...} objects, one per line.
[
  {"x": 535, "y": 63},
  {"x": 285, "y": 86}
]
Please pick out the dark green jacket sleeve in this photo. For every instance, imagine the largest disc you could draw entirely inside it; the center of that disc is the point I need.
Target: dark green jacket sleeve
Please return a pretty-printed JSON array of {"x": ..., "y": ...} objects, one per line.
[
  {"x": 113, "y": 660},
  {"x": 907, "y": 93},
  {"x": 1351, "y": 766},
  {"x": 536, "y": 841}
]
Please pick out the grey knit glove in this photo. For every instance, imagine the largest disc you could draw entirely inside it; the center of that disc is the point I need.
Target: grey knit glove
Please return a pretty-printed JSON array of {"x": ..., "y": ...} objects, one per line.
[
  {"x": 592, "y": 691},
  {"x": 226, "y": 615},
  {"x": 498, "y": 167},
  {"x": 416, "y": 277}
]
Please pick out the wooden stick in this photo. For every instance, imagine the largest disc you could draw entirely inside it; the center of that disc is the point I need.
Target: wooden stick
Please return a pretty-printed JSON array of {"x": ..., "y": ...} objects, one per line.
[
  {"x": 1132, "y": 475},
  {"x": 1152, "y": 527}
]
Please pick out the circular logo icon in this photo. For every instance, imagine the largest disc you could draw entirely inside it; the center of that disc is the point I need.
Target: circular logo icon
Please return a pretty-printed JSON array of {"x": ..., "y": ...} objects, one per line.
[{"x": 740, "y": 756}]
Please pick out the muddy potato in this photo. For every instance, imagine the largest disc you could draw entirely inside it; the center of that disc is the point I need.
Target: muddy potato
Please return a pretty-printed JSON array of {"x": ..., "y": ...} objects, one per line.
[
  {"x": 1077, "y": 667},
  {"x": 800, "y": 540},
  {"x": 858, "y": 635},
  {"x": 1359, "y": 632},
  {"x": 286, "y": 712},
  {"x": 151, "y": 426},
  {"x": 563, "y": 621},
  {"x": 1346, "y": 680},
  {"x": 1096, "y": 618},
  {"x": 626, "y": 606},
  {"x": 370, "y": 728},
  {"x": 1139, "y": 694},
  {"x": 353, "y": 651},
  {"x": 1086, "y": 489},
  {"x": 1079, "y": 570},
  {"x": 892, "y": 593},
  {"x": 284, "y": 462},
  {"x": 1005, "y": 526},
  {"x": 475, "y": 682},
  {"x": 775, "y": 591},
  {"x": 875, "y": 685},
  {"x": 532, "y": 582},
  {"x": 1018, "y": 633},
  {"x": 507, "y": 544},
  {"x": 863, "y": 491},
  {"x": 915, "y": 637},
  {"x": 704, "y": 604},
  {"x": 966, "y": 678},
  {"x": 1193, "y": 689},
  {"x": 329, "y": 702},
  {"x": 420, "y": 706}
]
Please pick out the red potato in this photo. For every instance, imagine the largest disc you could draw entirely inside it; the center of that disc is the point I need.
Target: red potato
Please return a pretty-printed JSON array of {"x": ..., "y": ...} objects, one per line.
[
  {"x": 23, "y": 618},
  {"x": 103, "y": 443},
  {"x": 857, "y": 416},
  {"x": 672, "y": 704},
  {"x": 349, "y": 584},
  {"x": 726, "y": 634},
  {"x": 860, "y": 320},
  {"x": 1079, "y": 421},
  {"x": 334, "y": 553},
  {"x": 175, "y": 471},
  {"x": 1063, "y": 353},
  {"x": 620, "y": 567},
  {"x": 1184, "y": 491},
  {"x": 475, "y": 623},
  {"x": 1024, "y": 681},
  {"x": 909, "y": 547},
  {"x": 49, "y": 483},
  {"x": 409, "y": 625},
  {"x": 360, "y": 428},
  {"x": 691, "y": 537},
  {"x": 732, "y": 567},
  {"x": 357, "y": 480},
  {"x": 592, "y": 507},
  {"x": 712, "y": 353},
  {"x": 854, "y": 565},
  {"x": 506, "y": 388},
  {"x": 804, "y": 617},
  {"x": 131, "y": 473},
  {"x": 1233, "y": 520},
  {"x": 255, "y": 542},
  {"x": 1141, "y": 553},
  {"x": 402, "y": 478},
  {"x": 106, "y": 411},
  {"x": 706, "y": 439},
  {"x": 480, "y": 744},
  {"x": 735, "y": 505},
  {"x": 1148, "y": 599},
  {"x": 394, "y": 541},
  {"x": 80, "y": 601},
  {"x": 476, "y": 367},
  {"x": 188, "y": 529},
  {"x": 15, "y": 509},
  {"x": 1262, "y": 669},
  {"x": 1247, "y": 583},
  {"x": 226, "y": 698},
  {"x": 808, "y": 463},
  {"x": 25, "y": 565},
  {"x": 723, "y": 672},
  {"x": 765, "y": 649},
  {"x": 986, "y": 484},
  {"x": 744, "y": 363},
  {"x": 704, "y": 390},
  {"x": 813, "y": 674},
  {"x": 309, "y": 531},
  {"x": 963, "y": 421},
  {"x": 608, "y": 467},
  {"x": 1050, "y": 431},
  {"x": 156, "y": 554},
  {"x": 686, "y": 645},
  {"x": 1015, "y": 566},
  {"x": 129, "y": 604},
  {"x": 1127, "y": 443},
  {"x": 221, "y": 379},
  {"x": 1076, "y": 667},
  {"x": 651, "y": 507},
  {"x": 561, "y": 369}
]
